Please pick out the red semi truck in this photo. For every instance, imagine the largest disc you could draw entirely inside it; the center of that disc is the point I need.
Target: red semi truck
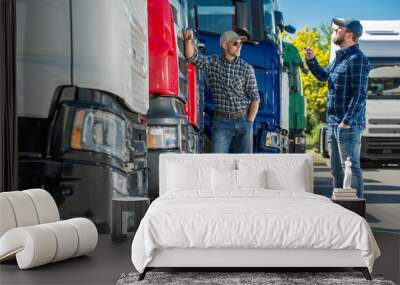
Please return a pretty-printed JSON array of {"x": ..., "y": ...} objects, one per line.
[{"x": 174, "y": 116}]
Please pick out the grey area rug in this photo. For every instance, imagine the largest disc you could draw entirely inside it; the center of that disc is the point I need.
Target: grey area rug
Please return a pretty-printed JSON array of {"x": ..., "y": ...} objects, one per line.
[{"x": 233, "y": 278}]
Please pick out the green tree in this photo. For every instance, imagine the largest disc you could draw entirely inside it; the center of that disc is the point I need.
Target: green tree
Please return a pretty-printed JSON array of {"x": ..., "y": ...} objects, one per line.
[{"x": 319, "y": 40}]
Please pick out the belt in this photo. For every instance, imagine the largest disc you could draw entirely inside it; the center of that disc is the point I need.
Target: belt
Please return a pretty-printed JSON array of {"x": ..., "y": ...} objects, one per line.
[{"x": 236, "y": 115}]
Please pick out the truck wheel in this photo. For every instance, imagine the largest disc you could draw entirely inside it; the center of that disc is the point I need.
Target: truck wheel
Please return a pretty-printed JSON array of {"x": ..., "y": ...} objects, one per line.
[
  {"x": 365, "y": 164},
  {"x": 325, "y": 153},
  {"x": 322, "y": 144}
]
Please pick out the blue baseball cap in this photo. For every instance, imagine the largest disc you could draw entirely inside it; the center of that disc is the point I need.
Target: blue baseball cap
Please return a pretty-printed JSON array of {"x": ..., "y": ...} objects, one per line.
[{"x": 351, "y": 24}]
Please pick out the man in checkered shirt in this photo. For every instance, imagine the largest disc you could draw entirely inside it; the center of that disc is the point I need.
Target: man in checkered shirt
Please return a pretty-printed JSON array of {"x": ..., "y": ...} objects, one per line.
[
  {"x": 234, "y": 91},
  {"x": 347, "y": 78}
]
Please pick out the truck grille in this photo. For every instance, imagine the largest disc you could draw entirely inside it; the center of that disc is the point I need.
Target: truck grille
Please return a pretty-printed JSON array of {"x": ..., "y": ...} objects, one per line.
[
  {"x": 384, "y": 121},
  {"x": 383, "y": 145},
  {"x": 384, "y": 130}
]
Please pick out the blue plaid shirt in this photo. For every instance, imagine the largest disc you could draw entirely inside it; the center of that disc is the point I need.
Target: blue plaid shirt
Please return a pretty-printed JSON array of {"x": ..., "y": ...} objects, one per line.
[
  {"x": 233, "y": 85},
  {"x": 347, "y": 79}
]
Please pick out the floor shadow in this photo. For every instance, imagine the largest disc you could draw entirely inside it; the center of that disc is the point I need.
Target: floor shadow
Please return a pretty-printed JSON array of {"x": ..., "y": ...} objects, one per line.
[
  {"x": 327, "y": 192},
  {"x": 382, "y": 230},
  {"x": 322, "y": 181},
  {"x": 381, "y": 187},
  {"x": 369, "y": 180},
  {"x": 382, "y": 198},
  {"x": 372, "y": 219},
  {"x": 322, "y": 169}
]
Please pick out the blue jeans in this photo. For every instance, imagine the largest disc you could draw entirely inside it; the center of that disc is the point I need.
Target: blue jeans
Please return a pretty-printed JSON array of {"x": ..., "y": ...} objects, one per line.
[
  {"x": 345, "y": 143},
  {"x": 235, "y": 134}
]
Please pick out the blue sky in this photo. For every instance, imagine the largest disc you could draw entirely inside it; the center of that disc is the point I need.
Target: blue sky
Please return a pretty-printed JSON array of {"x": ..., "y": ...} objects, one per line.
[{"x": 313, "y": 12}]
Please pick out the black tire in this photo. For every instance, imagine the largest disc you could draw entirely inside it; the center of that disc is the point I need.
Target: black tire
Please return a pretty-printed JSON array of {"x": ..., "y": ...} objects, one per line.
[
  {"x": 322, "y": 144},
  {"x": 365, "y": 164}
]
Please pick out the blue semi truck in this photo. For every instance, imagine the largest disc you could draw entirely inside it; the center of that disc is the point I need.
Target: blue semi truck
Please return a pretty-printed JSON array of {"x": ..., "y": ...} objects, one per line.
[{"x": 262, "y": 23}]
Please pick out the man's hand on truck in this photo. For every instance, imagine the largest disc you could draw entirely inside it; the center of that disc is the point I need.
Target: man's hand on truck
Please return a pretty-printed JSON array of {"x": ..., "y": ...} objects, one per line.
[{"x": 189, "y": 48}]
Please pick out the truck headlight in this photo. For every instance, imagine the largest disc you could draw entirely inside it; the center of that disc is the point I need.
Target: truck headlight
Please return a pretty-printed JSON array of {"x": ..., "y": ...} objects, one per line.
[
  {"x": 99, "y": 131},
  {"x": 272, "y": 139},
  {"x": 300, "y": 140},
  {"x": 162, "y": 137}
]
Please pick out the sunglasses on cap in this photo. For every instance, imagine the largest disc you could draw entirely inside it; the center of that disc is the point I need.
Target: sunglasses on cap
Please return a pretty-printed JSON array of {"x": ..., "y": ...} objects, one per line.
[{"x": 237, "y": 43}]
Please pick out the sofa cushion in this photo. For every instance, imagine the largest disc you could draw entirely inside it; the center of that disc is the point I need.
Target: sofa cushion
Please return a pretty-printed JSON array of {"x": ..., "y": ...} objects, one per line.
[
  {"x": 32, "y": 246},
  {"x": 26, "y": 208},
  {"x": 45, "y": 206},
  {"x": 23, "y": 208},
  {"x": 67, "y": 240},
  {"x": 87, "y": 235},
  {"x": 7, "y": 218}
]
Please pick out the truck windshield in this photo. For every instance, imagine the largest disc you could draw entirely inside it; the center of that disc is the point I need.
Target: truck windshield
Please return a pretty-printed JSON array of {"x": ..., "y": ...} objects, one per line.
[
  {"x": 384, "y": 80},
  {"x": 254, "y": 17},
  {"x": 215, "y": 16},
  {"x": 269, "y": 20}
]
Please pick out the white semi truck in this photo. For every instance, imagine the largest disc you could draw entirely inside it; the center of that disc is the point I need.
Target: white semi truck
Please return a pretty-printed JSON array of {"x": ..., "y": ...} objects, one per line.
[
  {"x": 82, "y": 93},
  {"x": 381, "y": 140}
]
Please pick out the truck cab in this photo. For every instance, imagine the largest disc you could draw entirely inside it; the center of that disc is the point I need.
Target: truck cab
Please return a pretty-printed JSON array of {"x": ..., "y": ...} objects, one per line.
[
  {"x": 256, "y": 20},
  {"x": 297, "y": 101},
  {"x": 381, "y": 44},
  {"x": 174, "y": 116},
  {"x": 82, "y": 96}
]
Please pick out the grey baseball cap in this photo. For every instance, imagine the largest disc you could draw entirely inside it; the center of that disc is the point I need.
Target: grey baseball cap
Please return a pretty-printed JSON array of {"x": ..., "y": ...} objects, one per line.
[
  {"x": 351, "y": 24},
  {"x": 230, "y": 36}
]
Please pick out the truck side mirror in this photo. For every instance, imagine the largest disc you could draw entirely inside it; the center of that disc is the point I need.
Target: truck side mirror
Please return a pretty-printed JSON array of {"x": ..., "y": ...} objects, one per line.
[
  {"x": 290, "y": 29},
  {"x": 243, "y": 32}
]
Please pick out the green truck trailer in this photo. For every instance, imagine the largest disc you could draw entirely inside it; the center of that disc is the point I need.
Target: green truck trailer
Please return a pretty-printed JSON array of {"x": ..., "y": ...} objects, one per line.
[{"x": 297, "y": 102}]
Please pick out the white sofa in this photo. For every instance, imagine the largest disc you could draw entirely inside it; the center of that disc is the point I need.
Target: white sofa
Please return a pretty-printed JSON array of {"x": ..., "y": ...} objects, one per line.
[{"x": 31, "y": 231}]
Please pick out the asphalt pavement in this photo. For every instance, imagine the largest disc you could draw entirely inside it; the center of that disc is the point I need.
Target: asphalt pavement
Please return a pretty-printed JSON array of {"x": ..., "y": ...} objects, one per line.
[{"x": 381, "y": 191}]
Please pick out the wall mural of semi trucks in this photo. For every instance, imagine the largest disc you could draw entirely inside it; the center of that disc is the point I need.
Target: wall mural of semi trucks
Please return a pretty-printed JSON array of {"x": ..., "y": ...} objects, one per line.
[
  {"x": 104, "y": 89},
  {"x": 381, "y": 140}
]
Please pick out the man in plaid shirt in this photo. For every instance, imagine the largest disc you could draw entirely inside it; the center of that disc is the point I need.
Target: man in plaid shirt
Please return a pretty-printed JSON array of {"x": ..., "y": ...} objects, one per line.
[
  {"x": 234, "y": 91},
  {"x": 347, "y": 79}
]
